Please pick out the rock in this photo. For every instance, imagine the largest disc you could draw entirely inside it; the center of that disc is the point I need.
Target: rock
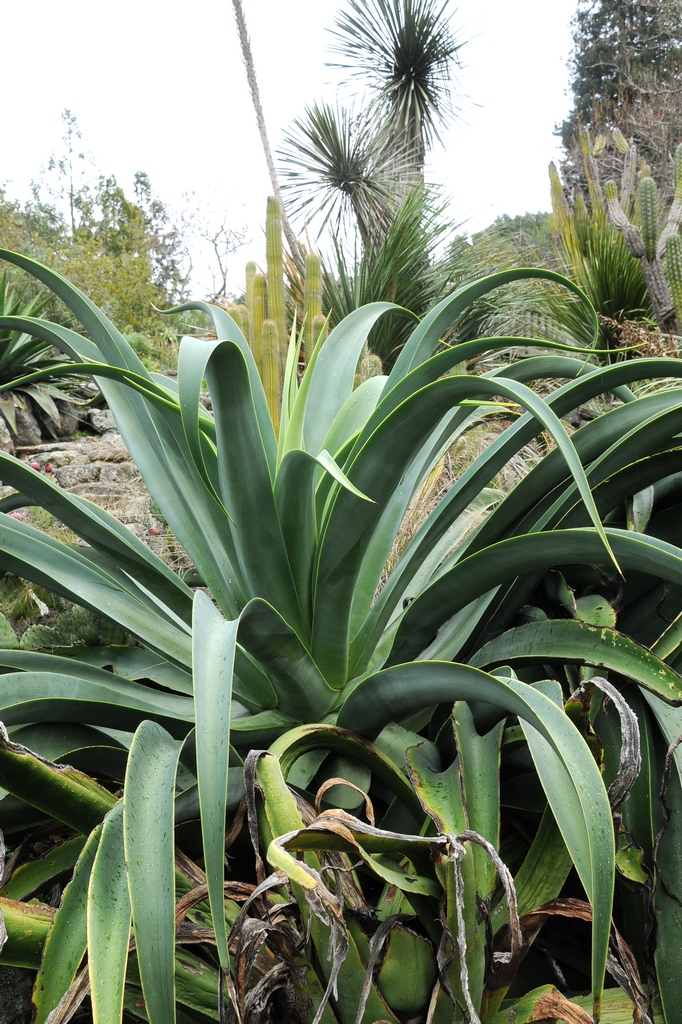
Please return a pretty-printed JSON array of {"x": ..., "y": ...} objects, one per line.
[
  {"x": 102, "y": 420},
  {"x": 28, "y": 428},
  {"x": 115, "y": 472},
  {"x": 15, "y": 995},
  {"x": 70, "y": 476},
  {"x": 6, "y": 442},
  {"x": 68, "y": 418}
]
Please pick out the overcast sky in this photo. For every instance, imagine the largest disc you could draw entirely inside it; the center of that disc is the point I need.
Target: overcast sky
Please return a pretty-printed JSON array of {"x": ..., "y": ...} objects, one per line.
[{"x": 160, "y": 86}]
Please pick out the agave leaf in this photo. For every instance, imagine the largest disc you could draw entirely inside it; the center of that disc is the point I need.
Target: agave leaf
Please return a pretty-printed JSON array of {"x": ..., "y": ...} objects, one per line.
[
  {"x": 100, "y": 529},
  {"x": 246, "y": 482},
  {"x": 306, "y": 738},
  {"x": 26, "y": 926},
  {"x": 66, "y": 943},
  {"x": 103, "y": 588},
  {"x": 33, "y": 875},
  {"x": 344, "y": 585},
  {"x": 149, "y": 856},
  {"x": 443, "y": 317},
  {"x": 79, "y": 801},
  {"x": 333, "y": 373},
  {"x": 301, "y": 688},
  {"x": 582, "y": 810},
  {"x": 282, "y": 816},
  {"x": 525, "y": 496},
  {"x": 116, "y": 702},
  {"x": 507, "y": 559},
  {"x": 570, "y": 640},
  {"x": 289, "y": 385},
  {"x": 227, "y": 330},
  {"x": 108, "y": 922},
  {"x": 548, "y": 1000},
  {"x": 479, "y": 757},
  {"x": 646, "y": 438},
  {"x": 353, "y": 414},
  {"x": 214, "y": 642}
]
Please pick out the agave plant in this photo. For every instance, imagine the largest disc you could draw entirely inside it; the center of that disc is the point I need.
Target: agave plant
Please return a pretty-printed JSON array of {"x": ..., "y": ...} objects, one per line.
[
  {"x": 20, "y": 353},
  {"x": 352, "y": 686}
]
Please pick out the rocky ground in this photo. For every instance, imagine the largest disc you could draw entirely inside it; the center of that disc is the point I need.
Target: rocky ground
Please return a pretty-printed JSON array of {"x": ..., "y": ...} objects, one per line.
[{"x": 99, "y": 467}]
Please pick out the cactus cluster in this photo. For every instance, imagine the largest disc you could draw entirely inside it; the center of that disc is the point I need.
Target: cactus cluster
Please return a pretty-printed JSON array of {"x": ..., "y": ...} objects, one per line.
[
  {"x": 266, "y": 318},
  {"x": 634, "y": 210},
  {"x": 75, "y": 625}
]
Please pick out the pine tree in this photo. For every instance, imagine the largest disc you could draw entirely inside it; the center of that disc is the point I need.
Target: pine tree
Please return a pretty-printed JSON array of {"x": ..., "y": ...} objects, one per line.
[{"x": 625, "y": 71}]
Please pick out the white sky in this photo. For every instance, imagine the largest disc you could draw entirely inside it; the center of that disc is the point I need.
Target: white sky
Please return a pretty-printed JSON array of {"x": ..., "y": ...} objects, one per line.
[{"x": 158, "y": 85}]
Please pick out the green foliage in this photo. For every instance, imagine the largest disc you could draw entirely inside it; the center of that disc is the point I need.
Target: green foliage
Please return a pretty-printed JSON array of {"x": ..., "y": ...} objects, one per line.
[
  {"x": 406, "y": 53},
  {"x": 403, "y": 265},
  {"x": 350, "y": 675},
  {"x": 593, "y": 253},
  {"x": 124, "y": 251},
  {"x": 22, "y": 355},
  {"x": 625, "y": 55}
]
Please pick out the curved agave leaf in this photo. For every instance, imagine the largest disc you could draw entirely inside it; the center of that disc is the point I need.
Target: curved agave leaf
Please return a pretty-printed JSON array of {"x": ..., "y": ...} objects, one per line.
[
  {"x": 295, "y": 500},
  {"x": 245, "y": 479},
  {"x": 579, "y": 801},
  {"x": 101, "y": 530},
  {"x": 118, "y": 703},
  {"x": 302, "y": 691},
  {"x": 67, "y": 939},
  {"x": 333, "y": 373},
  {"x": 353, "y": 414},
  {"x": 438, "y": 365},
  {"x": 227, "y": 330},
  {"x": 306, "y": 738},
  {"x": 149, "y": 857},
  {"x": 108, "y": 922},
  {"x": 78, "y": 800},
  {"x": 569, "y": 640},
  {"x": 422, "y": 344},
  {"x": 483, "y": 469},
  {"x": 158, "y": 448},
  {"x": 34, "y": 875},
  {"x": 510, "y": 558},
  {"x": 99, "y": 584},
  {"x": 108, "y": 339},
  {"x": 644, "y": 438},
  {"x": 344, "y": 585}
]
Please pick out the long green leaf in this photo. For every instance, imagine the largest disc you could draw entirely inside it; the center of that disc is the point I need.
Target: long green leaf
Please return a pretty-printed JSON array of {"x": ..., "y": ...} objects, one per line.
[
  {"x": 341, "y": 587},
  {"x": 67, "y": 940},
  {"x": 116, "y": 702},
  {"x": 333, "y": 372},
  {"x": 214, "y": 642},
  {"x": 508, "y": 559},
  {"x": 149, "y": 855},
  {"x": 570, "y": 640},
  {"x": 442, "y": 317},
  {"x": 301, "y": 689},
  {"x": 77, "y": 800},
  {"x": 108, "y": 922}
]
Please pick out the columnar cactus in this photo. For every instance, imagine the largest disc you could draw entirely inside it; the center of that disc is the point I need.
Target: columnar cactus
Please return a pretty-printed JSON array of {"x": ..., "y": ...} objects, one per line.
[
  {"x": 645, "y": 243},
  {"x": 673, "y": 271},
  {"x": 257, "y": 315},
  {"x": 263, "y": 319},
  {"x": 274, "y": 255},
  {"x": 312, "y": 297}
]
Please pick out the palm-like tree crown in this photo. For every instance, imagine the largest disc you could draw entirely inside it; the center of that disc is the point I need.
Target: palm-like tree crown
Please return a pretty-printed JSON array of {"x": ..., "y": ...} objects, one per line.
[
  {"x": 336, "y": 164},
  {"x": 408, "y": 52}
]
